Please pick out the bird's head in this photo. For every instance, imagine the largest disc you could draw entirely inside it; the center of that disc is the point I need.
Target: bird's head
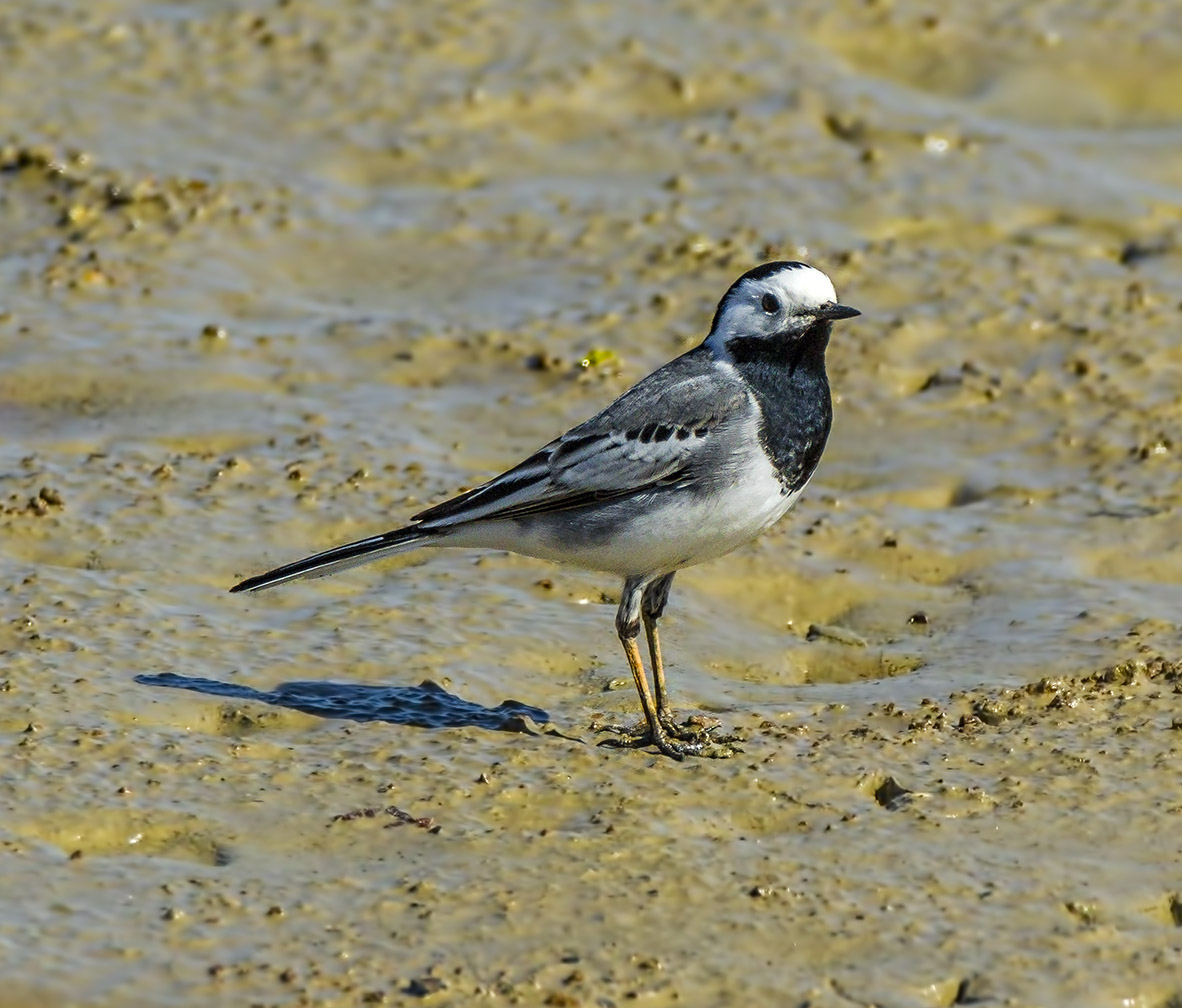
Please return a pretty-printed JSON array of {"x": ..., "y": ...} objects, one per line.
[{"x": 777, "y": 302}]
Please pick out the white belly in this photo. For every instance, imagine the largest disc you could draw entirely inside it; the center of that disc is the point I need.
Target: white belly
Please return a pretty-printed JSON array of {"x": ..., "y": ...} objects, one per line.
[{"x": 677, "y": 529}]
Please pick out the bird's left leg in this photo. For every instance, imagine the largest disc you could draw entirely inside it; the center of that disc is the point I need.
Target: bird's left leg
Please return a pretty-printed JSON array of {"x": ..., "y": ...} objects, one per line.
[
  {"x": 628, "y": 618},
  {"x": 698, "y": 728},
  {"x": 652, "y": 605},
  {"x": 677, "y": 741}
]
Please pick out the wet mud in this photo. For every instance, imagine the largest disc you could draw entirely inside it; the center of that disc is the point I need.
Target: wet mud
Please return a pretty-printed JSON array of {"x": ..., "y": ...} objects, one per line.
[{"x": 277, "y": 275}]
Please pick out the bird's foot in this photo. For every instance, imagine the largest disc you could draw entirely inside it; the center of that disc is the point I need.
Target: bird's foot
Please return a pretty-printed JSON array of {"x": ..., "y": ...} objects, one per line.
[
  {"x": 694, "y": 728},
  {"x": 693, "y": 737}
]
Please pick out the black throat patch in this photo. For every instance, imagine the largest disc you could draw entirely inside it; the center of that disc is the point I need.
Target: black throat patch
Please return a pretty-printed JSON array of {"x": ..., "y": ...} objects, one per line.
[{"x": 787, "y": 376}]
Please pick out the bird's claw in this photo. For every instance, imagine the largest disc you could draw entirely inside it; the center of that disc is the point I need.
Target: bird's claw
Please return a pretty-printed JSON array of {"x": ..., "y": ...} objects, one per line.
[{"x": 693, "y": 737}]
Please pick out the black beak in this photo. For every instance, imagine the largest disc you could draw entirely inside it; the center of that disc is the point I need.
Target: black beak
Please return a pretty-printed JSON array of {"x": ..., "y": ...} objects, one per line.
[{"x": 835, "y": 311}]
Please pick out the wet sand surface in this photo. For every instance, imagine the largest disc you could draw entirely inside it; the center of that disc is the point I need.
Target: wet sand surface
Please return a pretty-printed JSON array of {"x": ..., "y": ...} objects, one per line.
[{"x": 273, "y": 276}]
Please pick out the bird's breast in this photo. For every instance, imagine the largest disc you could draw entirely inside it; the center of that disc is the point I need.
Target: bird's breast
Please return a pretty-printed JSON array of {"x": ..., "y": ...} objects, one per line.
[{"x": 796, "y": 414}]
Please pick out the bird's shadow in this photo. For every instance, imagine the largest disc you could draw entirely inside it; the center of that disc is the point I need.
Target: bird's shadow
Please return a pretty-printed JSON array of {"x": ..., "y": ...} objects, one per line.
[{"x": 427, "y": 705}]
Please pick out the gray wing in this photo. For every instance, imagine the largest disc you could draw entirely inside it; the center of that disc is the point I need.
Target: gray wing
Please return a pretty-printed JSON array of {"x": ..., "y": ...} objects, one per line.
[{"x": 652, "y": 436}]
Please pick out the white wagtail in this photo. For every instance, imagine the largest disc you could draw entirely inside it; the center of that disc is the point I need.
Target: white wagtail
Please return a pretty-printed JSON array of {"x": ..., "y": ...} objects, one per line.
[{"x": 698, "y": 458}]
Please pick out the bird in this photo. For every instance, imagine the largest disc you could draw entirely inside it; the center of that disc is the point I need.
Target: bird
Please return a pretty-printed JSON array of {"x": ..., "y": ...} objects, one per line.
[{"x": 693, "y": 461}]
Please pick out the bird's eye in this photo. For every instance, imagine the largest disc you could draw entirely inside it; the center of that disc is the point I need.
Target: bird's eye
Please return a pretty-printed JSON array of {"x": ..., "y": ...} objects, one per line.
[{"x": 770, "y": 304}]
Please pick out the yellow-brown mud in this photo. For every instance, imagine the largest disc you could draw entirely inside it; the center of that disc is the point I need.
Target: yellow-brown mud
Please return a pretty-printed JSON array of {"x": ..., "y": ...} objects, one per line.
[{"x": 272, "y": 275}]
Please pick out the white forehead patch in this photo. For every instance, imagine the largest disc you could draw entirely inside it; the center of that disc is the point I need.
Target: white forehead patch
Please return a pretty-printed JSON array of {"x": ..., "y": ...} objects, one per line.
[{"x": 798, "y": 289}]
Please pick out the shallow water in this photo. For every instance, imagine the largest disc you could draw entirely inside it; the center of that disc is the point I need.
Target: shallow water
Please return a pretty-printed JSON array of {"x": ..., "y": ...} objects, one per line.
[{"x": 274, "y": 275}]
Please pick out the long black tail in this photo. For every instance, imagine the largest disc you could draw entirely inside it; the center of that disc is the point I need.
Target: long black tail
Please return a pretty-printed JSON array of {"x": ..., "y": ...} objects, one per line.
[{"x": 341, "y": 558}]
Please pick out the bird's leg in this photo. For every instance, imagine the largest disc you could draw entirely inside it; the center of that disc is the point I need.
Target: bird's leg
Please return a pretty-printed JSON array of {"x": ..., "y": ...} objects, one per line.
[
  {"x": 690, "y": 740},
  {"x": 652, "y": 605},
  {"x": 628, "y": 627},
  {"x": 698, "y": 728}
]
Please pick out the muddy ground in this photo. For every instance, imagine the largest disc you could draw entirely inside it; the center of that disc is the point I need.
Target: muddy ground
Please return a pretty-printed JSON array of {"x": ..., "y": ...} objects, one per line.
[{"x": 273, "y": 275}]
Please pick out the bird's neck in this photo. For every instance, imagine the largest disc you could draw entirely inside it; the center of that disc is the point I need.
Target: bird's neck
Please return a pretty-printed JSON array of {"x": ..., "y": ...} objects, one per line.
[{"x": 787, "y": 377}]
